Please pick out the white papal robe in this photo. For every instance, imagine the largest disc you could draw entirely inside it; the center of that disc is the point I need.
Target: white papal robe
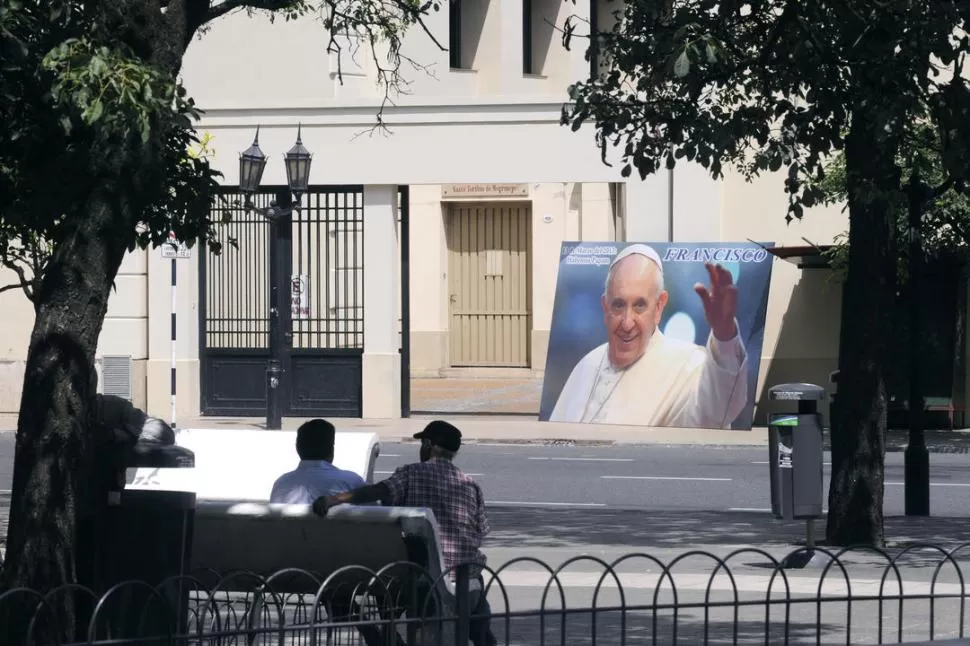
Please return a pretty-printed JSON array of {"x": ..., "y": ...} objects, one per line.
[{"x": 674, "y": 383}]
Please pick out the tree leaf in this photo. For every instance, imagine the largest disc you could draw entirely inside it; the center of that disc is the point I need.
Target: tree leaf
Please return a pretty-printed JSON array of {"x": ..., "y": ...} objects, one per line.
[
  {"x": 94, "y": 112},
  {"x": 682, "y": 65},
  {"x": 710, "y": 53}
]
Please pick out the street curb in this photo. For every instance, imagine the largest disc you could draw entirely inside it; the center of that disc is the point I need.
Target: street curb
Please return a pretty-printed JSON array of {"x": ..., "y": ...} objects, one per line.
[
  {"x": 533, "y": 442},
  {"x": 941, "y": 448},
  {"x": 466, "y": 441},
  {"x": 893, "y": 445}
]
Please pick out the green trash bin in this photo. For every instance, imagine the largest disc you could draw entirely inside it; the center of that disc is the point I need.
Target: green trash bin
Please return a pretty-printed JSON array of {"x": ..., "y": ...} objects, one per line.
[{"x": 795, "y": 452}]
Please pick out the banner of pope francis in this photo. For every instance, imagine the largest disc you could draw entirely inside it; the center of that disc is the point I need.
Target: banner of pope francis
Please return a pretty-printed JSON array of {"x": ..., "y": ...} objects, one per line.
[{"x": 657, "y": 334}]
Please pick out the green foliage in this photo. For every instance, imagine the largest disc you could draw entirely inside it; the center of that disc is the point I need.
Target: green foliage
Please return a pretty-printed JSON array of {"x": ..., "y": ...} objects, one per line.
[
  {"x": 838, "y": 256},
  {"x": 89, "y": 94},
  {"x": 945, "y": 226},
  {"x": 768, "y": 85},
  {"x": 88, "y": 77},
  {"x": 81, "y": 107}
]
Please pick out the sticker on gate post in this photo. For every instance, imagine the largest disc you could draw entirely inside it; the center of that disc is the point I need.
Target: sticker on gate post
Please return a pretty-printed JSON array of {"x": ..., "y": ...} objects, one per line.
[{"x": 299, "y": 297}]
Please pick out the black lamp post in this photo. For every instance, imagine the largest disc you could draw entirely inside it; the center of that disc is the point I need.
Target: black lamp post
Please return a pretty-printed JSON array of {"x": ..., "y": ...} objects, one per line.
[
  {"x": 252, "y": 162},
  {"x": 916, "y": 459}
]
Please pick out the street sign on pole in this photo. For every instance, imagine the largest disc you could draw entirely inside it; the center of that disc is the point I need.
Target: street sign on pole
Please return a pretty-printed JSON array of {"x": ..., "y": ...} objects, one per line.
[{"x": 174, "y": 249}]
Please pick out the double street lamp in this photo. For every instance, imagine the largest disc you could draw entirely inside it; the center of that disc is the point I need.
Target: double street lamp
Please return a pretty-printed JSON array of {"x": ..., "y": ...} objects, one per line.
[{"x": 252, "y": 163}]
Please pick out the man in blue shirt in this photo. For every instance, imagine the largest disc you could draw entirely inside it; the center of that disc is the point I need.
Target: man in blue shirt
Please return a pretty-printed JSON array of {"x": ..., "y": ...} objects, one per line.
[{"x": 316, "y": 475}]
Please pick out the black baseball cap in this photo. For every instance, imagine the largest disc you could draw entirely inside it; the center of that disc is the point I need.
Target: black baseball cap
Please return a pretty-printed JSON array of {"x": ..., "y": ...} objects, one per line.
[{"x": 441, "y": 434}]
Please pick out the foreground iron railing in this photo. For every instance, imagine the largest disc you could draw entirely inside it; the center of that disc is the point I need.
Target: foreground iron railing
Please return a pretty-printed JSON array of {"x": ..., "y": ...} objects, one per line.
[{"x": 851, "y": 596}]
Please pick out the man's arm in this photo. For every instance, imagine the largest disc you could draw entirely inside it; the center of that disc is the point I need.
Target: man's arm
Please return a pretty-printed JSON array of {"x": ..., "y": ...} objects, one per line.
[
  {"x": 359, "y": 496},
  {"x": 390, "y": 490},
  {"x": 481, "y": 520},
  {"x": 364, "y": 495}
]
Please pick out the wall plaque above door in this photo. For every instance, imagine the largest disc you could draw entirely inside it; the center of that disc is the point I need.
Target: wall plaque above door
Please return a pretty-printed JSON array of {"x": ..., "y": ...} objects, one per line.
[{"x": 483, "y": 190}]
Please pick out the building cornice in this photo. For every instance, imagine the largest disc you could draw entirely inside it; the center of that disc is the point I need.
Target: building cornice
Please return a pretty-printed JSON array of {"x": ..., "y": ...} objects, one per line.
[{"x": 440, "y": 111}]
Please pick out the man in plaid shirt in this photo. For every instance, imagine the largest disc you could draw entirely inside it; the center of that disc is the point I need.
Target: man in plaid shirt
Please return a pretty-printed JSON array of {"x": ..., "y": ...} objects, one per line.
[{"x": 455, "y": 499}]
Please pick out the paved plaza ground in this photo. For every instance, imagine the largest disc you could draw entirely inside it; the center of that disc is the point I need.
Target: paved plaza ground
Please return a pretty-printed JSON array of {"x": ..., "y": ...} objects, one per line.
[{"x": 464, "y": 395}]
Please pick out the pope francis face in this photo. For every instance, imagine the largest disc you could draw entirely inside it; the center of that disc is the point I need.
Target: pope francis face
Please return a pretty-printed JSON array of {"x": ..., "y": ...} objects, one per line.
[{"x": 632, "y": 305}]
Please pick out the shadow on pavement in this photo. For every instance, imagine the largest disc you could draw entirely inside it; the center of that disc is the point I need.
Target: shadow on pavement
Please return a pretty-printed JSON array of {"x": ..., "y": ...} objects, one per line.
[
  {"x": 937, "y": 441},
  {"x": 685, "y": 530},
  {"x": 690, "y": 627}
]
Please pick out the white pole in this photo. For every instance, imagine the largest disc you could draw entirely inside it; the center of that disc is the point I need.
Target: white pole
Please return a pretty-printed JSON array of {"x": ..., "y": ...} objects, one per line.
[{"x": 174, "y": 300}]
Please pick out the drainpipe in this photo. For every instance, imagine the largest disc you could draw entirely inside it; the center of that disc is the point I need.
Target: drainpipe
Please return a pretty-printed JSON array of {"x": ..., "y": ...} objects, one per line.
[{"x": 670, "y": 199}]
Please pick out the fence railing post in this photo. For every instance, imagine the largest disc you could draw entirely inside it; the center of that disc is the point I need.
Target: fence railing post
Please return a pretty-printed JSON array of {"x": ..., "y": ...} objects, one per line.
[{"x": 462, "y": 597}]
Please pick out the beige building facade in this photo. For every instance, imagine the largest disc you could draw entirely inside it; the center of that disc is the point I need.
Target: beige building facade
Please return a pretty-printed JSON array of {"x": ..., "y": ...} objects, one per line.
[{"x": 494, "y": 186}]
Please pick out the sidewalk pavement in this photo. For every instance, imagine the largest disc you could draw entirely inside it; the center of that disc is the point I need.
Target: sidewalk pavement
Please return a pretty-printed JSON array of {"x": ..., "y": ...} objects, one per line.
[{"x": 522, "y": 429}]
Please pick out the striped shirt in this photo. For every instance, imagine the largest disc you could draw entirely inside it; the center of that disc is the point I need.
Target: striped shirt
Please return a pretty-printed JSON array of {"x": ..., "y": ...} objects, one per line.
[{"x": 457, "y": 503}]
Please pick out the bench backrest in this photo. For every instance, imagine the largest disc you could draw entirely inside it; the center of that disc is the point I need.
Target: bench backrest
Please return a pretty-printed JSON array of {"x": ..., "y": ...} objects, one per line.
[
  {"x": 264, "y": 539},
  {"x": 244, "y": 464}
]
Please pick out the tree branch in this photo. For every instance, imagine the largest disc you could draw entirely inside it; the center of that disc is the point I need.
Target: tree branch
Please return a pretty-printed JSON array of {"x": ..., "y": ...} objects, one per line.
[
  {"x": 24, "y": 283},
  {"x": 221, "y": 9},
  {"x": 938, "y": 191},
  {"x": 377, "y": 23},
  {"x": 417, "y": 12},
  {"x": 10, "y": 287},
  {"x": 38, "y": 265}
]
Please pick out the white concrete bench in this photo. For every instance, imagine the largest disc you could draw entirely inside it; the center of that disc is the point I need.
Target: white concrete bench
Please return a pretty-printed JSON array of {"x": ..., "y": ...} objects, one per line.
[
  {"x": 244, "y": 464},
  {"x": 262, "y": 539},
  {"x": 256, "y": 542}
]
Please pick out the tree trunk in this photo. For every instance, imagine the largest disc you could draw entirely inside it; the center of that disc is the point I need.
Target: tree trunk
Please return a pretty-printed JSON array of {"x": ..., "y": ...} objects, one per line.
[
  {"x": 54, "y": 448},
  {"x": 858, "y": 448}
]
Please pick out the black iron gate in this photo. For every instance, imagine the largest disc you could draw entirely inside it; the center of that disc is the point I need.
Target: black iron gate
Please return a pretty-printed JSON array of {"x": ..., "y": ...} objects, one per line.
[{"x": 322, "y": 247}]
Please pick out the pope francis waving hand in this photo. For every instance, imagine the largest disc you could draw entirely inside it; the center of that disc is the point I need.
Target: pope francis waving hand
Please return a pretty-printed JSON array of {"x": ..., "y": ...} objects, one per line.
[{"x": 641, "y": 377}]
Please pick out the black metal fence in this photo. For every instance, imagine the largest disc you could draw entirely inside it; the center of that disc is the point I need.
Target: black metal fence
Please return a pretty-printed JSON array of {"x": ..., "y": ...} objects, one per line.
[
  {"x": 853, "y": 596},
  {"x": 322, "y": 243}
]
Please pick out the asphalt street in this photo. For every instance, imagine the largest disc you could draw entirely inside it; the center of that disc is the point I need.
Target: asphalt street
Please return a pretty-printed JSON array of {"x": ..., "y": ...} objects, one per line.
[
  {"x": 647, "y": 478},
  {"x": 660, "y": 477}
]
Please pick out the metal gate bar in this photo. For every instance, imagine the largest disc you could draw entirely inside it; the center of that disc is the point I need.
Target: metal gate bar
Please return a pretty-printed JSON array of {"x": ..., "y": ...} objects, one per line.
[
  {"x": 328, "y": 238},
  {"x": 323, "y": 245},
  {"x": 240, "y": 270}
]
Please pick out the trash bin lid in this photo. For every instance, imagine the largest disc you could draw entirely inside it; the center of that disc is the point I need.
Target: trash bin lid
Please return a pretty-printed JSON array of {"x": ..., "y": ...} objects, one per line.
[
  {"x": 159, "y": 456},
  {"x": 796, "y": 392}
]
